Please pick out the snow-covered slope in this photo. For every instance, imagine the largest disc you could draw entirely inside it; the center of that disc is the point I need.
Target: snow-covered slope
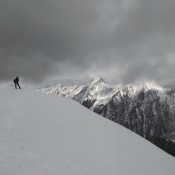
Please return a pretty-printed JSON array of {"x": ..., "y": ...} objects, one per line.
[
  {"x": 48, "y": 135},
  {"x": 147, "y": 109}
]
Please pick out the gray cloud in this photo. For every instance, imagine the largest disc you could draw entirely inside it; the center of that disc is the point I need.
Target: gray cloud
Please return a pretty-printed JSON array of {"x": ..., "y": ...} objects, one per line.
[{"x": 124, "y": 41}]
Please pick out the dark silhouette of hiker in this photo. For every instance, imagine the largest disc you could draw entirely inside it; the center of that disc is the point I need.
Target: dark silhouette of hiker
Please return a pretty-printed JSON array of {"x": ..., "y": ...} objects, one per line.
[{"x": 16, "y": 81}]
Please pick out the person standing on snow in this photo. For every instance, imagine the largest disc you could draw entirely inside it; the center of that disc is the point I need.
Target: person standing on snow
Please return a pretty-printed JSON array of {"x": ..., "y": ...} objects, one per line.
[{"x": 16, "y": 82}]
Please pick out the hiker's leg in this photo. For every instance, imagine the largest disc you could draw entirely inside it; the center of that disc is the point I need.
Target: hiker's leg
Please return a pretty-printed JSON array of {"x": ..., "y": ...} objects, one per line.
[{"x": 18, "y": 85}]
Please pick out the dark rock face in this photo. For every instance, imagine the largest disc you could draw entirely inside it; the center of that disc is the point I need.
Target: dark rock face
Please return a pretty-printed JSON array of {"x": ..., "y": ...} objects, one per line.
[
  {"x": 144, "y": 113},
  {"x": 165, "y": 144},
  {"x": 148, "y": 111}
]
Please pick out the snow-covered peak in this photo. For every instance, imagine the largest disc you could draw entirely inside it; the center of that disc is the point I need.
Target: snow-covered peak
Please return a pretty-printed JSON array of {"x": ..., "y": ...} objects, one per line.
[
  {"x": 97, "y": 81},
  {"x": 133, "y": 89},
  {"x": 150, "y": 86}
]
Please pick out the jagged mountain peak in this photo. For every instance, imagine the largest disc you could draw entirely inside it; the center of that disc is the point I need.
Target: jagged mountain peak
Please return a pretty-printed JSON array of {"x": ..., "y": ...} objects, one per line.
[{"x": 97, "y": 80}]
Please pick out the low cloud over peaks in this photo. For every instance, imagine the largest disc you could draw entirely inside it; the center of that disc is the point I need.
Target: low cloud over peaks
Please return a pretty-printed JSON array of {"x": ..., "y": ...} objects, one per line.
[{"x": 123, "y": 40}]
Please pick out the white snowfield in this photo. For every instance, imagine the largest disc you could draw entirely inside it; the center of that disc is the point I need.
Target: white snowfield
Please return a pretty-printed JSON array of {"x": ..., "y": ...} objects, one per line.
[{"x": 49, "y": 135}]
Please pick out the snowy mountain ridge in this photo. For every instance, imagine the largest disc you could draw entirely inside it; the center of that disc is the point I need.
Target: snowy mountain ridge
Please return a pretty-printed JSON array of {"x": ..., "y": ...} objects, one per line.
[
  {"x": 100, "y": 91},
  {"x": 148, "y": 109},
  {"x": 98, "y": 83}
]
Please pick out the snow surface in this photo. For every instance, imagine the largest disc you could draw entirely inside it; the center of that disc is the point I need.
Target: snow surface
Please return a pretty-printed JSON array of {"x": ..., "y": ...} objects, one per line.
[{"x": 47, "y": 135}]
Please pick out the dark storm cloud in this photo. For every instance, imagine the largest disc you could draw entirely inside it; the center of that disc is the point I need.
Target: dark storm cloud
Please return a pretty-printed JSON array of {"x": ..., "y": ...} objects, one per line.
[
  {"x": 122, "y": 40},
  {"x": 34, "y": 35}
]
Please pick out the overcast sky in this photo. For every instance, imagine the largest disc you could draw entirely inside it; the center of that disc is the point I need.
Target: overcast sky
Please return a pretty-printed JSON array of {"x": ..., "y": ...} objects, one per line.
[{"x": 124, "y": 41}]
